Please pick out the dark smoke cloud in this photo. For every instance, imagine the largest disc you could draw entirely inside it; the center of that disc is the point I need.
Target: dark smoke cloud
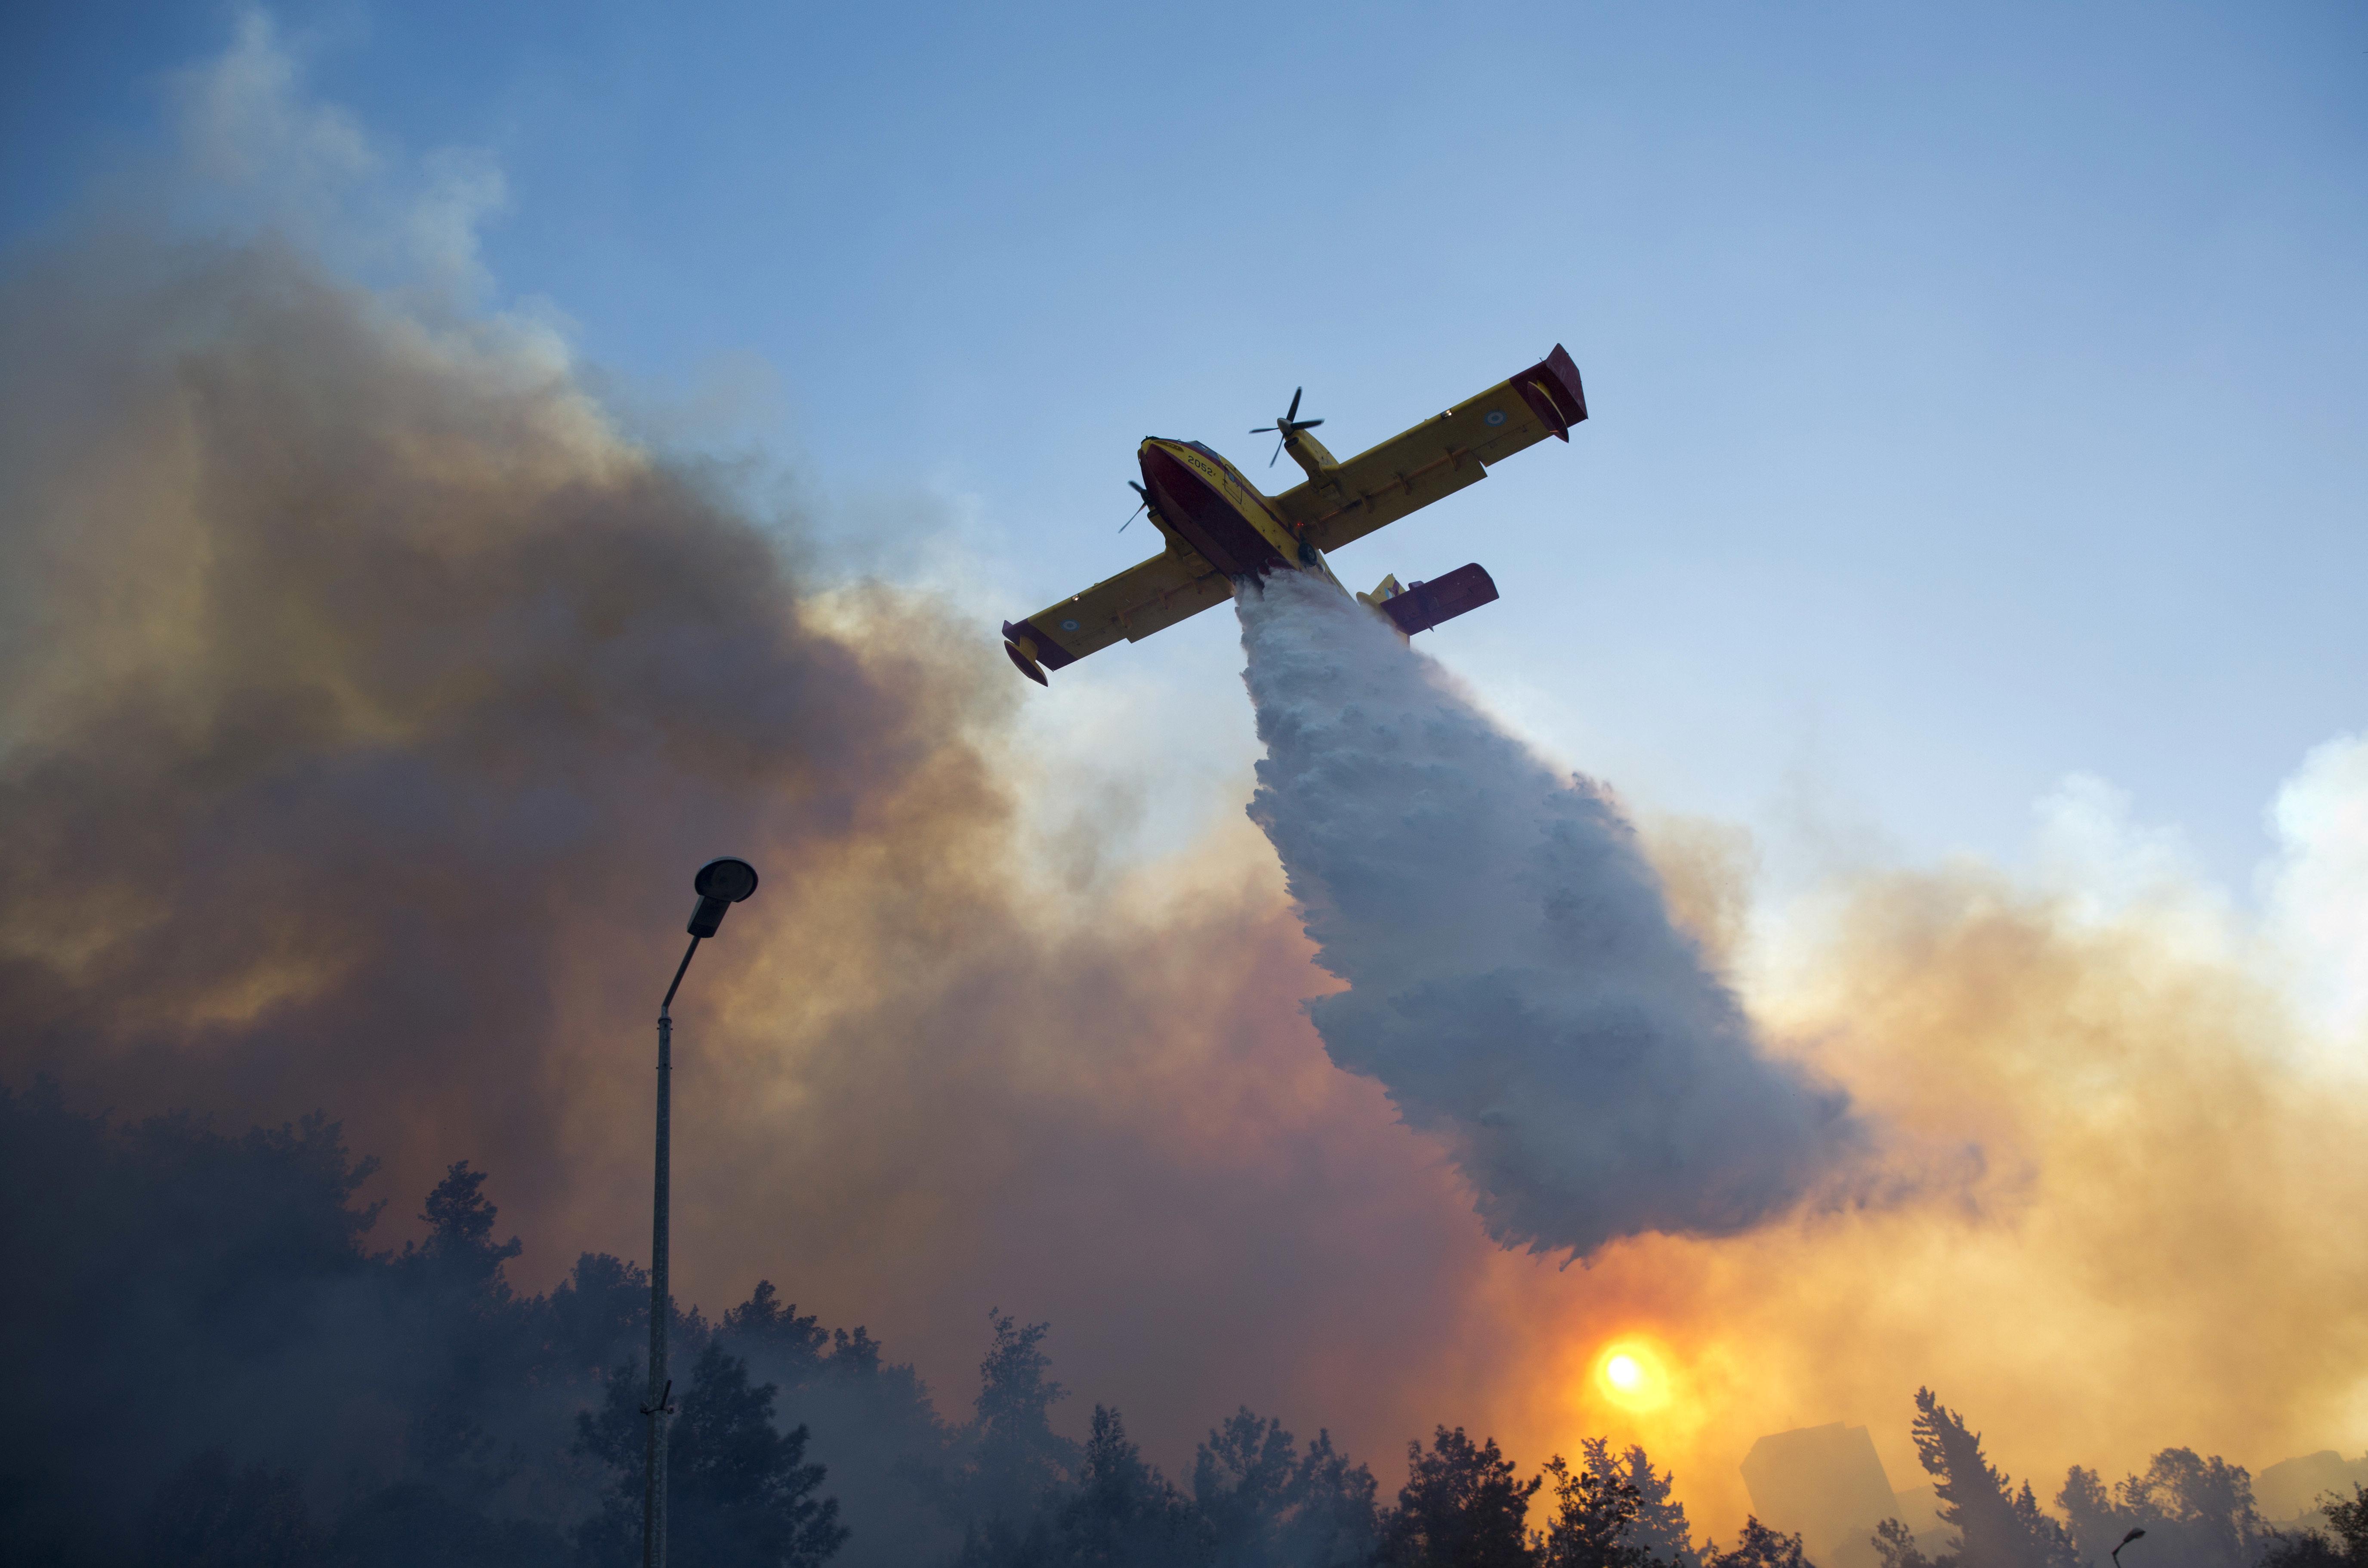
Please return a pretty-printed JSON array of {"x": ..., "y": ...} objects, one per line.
[
  {"x": 357, "y": 677},
  {"x": 368, "y": 701},
  {"x": 1513, "y": 975}
]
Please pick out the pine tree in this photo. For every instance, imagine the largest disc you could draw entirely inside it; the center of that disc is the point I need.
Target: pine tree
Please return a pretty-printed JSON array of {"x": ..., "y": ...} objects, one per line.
[
  {"x": 792, "y": 1346},
  {"x": 1995, "y": 1527},
  {"x": 1661, "y": 1529},
  {"x": 1268, "y": 1505},
  {"x": 1593, "y": 1520},
  {"x": 1894, "y": 1543},
  {"x": 1125, "y": 1511},
  {"x": 459, "y": 1242},
  {"x": 1461, "y": 1507},
  {"x": 739, "y": 1493},
  {"x": 1016, "y": 1458},
  {"x": 1759, "y": 1547}
]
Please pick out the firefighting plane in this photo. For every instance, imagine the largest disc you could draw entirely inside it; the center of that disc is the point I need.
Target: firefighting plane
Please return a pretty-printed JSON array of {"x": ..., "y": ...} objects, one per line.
[{"x": 1220, "y": 530}]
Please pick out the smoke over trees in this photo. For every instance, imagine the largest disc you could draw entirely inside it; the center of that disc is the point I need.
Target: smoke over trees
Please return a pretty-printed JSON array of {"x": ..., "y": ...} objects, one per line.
[
  {"x": 2184, "y": 1511},
  {"x": 2193, "y": 1510},
  {"x": 2343, "y": 1544},
  {"x": 1462, "y": 1504},
  {"x": 1996, "y": 1528},
  {"x": 230, "y": 1374},
  {"x": 745, "y": 1494}
]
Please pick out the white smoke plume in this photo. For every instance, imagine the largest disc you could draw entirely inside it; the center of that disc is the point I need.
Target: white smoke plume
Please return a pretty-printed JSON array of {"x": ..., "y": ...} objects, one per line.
[{"x": 1514, "y": 979}]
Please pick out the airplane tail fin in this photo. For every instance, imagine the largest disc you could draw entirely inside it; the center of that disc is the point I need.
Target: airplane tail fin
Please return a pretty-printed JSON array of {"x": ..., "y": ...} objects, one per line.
[{"x": 1420, "y": 606}]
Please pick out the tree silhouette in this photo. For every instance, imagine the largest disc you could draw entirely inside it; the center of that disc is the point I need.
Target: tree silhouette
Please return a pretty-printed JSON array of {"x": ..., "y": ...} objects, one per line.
[
  {"x": 2348, "y": 1519},
  {"x": 1461, "y": 1507},
  {"x": 1996, "y": 1528},
  {"x": 189, "y": 1288},
  {"x": 459, "y": 1222},
  {"x": 1759, "y": 1547},
  {"x": 478, "y": 1351},
  {"x": 169, "y": 1273},
  {"x": 895, "y": 1471},
  {"x": 2197, "y": 1513},
  {"x": 1661, "y": 1529},
  {"x": 739, "y": 1493},
  {"x": 1894, "y": 1543},
  {"x": 794, "y": 1346},
  {"x": 1125, "y": 1510},
  {"x": 1593, "y": 1520},
  {"x": 1121, "y": 1513},
  {"x": 1016, "y": 1459},
  {"x": 857, "y": 1352},
  {"x": 1266, "y": 1504},
  {"x": 745, "y": 1493},
  {"x": 600, "y": 1308},
  {"x": 2347, "y": 1522}
]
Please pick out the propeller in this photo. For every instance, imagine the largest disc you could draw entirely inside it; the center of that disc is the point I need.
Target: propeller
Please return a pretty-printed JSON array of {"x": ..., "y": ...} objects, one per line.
[
  {"x": 1285, "y": 428},
  {"x": 1140, "y": 506}
]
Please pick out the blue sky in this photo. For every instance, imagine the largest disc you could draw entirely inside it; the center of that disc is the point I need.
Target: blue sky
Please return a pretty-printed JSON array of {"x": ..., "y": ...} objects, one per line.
[{"x": 1977, "y": 390}]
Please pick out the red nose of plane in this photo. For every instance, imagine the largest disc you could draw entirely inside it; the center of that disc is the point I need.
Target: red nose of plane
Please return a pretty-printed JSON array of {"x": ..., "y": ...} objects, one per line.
[
  {"x": 1202, "y": 518},
  {"x": 1174, "y": 488}
]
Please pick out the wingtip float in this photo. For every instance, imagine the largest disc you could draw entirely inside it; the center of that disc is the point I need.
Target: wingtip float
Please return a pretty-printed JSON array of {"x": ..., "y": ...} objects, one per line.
[
  {"x": 1021, "y": 648},
  {"x": 1219, "y": 526}
]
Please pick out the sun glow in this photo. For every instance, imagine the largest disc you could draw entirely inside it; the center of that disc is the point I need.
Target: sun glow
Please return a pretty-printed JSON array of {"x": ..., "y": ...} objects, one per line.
[{"x": 1631, "y": 1374}]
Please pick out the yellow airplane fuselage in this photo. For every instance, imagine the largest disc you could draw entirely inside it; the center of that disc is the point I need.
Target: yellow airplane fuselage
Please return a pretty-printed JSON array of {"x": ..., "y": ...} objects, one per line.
[{"x": 1203, "y": 502}]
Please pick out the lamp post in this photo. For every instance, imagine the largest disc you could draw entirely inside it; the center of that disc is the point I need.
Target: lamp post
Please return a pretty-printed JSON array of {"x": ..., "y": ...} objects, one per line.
[
  {"x": 2116, "y": 1552},
  {"x": 720, "y": 884}
]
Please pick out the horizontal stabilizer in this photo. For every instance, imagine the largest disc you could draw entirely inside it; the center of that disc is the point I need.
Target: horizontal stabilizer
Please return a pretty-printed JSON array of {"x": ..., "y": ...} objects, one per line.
[{"x": 1424, "y": 605}]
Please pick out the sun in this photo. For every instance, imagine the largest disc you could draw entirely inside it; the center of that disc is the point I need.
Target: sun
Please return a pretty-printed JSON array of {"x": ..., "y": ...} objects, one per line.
[{"x": 1632, "y": 1374}]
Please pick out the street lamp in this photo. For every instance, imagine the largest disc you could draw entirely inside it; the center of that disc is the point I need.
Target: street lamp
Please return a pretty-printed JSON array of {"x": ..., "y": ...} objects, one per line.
[
  {"x": 2116, "y": 1552},
  {"x": 720, "y": 884}
]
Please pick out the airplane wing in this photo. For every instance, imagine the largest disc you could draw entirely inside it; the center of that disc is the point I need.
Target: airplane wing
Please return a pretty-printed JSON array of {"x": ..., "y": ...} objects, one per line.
[
  {"x": 1144, "y": 598},
  {"x": 1438, "y": 457}
]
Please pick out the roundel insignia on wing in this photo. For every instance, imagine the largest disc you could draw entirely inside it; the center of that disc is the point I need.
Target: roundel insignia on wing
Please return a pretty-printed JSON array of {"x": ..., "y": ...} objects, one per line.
[
  {"x": 1068, "y": 625},
  {"x": 1494, "y": 416}
]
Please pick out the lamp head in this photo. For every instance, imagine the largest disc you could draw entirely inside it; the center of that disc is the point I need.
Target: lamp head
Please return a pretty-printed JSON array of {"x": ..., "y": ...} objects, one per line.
[{"x": 720, "y": 884}]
